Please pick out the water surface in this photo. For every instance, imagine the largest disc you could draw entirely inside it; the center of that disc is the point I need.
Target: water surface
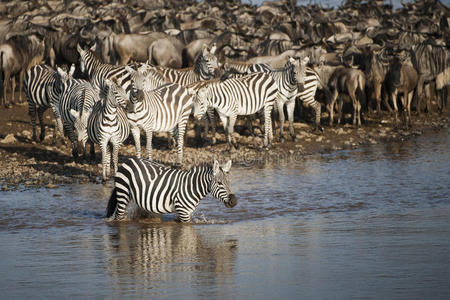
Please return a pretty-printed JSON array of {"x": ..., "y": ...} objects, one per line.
[{"x": 367, "y": 223}]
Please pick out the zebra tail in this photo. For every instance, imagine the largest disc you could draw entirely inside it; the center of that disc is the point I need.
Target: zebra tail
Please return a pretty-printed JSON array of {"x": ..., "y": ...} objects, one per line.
[{"x": 112, "y": 203}]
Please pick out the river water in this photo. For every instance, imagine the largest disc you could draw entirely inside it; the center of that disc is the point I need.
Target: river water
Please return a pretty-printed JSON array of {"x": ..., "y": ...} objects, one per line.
[{"x": 367, "y": 223}]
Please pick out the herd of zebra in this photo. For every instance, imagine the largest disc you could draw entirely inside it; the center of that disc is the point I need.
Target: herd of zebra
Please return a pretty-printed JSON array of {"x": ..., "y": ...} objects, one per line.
[{"x": 117, "y": 100}]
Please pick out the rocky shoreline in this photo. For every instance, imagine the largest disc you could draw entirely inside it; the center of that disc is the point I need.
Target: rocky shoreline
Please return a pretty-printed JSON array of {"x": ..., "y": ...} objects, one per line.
[{"x": 27, "y": 164}]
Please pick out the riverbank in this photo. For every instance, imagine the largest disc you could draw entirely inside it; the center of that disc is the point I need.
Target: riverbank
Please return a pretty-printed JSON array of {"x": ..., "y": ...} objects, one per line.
[{"x": 34, "y": 164}]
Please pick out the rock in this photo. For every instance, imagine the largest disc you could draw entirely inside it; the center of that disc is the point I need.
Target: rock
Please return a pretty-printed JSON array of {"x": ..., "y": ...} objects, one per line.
[
  {"x": 319, "y": 139},
  {"x": 26, "y": 134},
  {"x": 340, "y": 131},
  {"x": 9, "y": 139},
  {"x": 51, "y": 186}
]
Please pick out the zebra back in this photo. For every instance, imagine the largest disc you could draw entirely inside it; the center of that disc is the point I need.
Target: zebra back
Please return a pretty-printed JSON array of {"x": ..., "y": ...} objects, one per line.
[
  {"x": 38, "y": 84},
  {"x": 204, "y": 68}
]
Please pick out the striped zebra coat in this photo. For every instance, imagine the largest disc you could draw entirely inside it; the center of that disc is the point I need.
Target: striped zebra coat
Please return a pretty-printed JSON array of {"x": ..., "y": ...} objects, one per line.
[
  {"x": 159, "y": 189},
  {"x": 159, "y": 110},
  {"x": 237, "y": 97},
  {"x": 39, "y": 85},
  {"x": 204, "y": 68},
  {"x": 73, "y": 93},
  {"x": 108, "y": 125}
]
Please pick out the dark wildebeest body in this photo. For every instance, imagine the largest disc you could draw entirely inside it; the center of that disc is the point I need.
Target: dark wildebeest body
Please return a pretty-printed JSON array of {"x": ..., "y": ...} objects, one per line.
[
  {"x": 351, "y": 82},
  {"x": 402, "y": 80}
]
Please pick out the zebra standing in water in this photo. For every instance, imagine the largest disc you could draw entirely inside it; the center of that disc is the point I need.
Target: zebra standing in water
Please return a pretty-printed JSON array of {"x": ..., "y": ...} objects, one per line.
[
  {"x": 39, "y": 85},
  {"x": 158, "y": 110},
  {"x": 73, "y": 93},
  {"x": 236, "y": 97},
  {"x": 146, "y": 183},
  {"x": 204, "y": 69},
  {"x": 108, "y": 124}
]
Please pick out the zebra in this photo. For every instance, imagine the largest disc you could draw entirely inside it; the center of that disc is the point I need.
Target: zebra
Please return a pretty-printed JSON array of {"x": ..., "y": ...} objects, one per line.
[
  {"x": 160, "y": 189},
  {"x": 239, "y": 96},
  {"x": 40, "y": 88},
  {"x": 204, "y": 68},
  {"x": 238, "y": 68},
  {"x": 108, "y": 124},
  {"x": 71, "y": 95},
  {"x": 159, "y": 110},
  {"x": 97, "y": 71}
]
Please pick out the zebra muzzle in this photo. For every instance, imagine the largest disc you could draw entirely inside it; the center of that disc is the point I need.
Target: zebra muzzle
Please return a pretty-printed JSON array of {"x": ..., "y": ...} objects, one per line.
[{"x": 232, "y": 201}]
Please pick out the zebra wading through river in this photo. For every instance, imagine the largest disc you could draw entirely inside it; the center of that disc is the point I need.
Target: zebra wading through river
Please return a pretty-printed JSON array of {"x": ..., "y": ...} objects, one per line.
[
  {"x": 238, "y": 97},
  {"x": 160, "y": 189},
  {"x": 159, "y": 110},
  {"x": 39, "y": 87},
  {"x": 108, "y": 125}
]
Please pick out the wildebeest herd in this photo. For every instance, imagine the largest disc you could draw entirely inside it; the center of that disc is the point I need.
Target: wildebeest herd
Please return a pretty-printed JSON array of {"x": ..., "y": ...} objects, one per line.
[{"x": 110, "y": 69}]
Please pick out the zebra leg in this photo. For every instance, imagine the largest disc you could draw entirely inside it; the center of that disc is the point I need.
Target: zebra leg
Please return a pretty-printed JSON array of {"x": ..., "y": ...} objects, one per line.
[
  {"x": 268, "y": 135},
  {"x": 115, "y": 154},
  {"x": 280, "y": 105},
  {"x": 92, "y": 151},
  {"x": 181, "y": 134},
  {"x": 212, "y": 121},
  {"x": 41, "y": 111},
  {"x": 149, "y": 135},
  {"x": 32, "y": 114},
  {"x": 231, "y": 123},
  {"x": 136, "y": 132},
  {"x": 290, "y": 110},
  {"x": 224, "y": 120},
  {"x": 184, "y": 213},
  {"x": 106, "y": 156}
]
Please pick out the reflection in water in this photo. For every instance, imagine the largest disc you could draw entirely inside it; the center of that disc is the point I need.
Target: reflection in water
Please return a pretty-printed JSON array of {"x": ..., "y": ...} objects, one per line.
[{"x": 154, "y": 255}]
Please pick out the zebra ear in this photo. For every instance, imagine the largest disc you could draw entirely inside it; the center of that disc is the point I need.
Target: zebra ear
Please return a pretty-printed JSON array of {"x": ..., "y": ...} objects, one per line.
[
  {"x": 213, "y": 48},
  {"x": 72, "y": 70},
  {"x": 306, "y": 59},
  {"x": 94, "y": 47},
  {"x": 75, "y": 113},
  {"x": 60, "y": 71},
  {"x": 79, "y": 49},
  {"x": 216, "y": 167},
  {"x": 130, "y": 70},
  {"x": 291, "y": 59},
  {"x": 227, "y": 166}
]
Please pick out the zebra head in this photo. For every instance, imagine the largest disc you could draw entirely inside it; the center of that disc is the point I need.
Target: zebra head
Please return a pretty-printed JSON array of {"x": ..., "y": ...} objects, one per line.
[
  {"x": 201, "y": 101},
  {"x": 220, "y": 185},
  {"x": 116, "y": 95},
  {"x": 207, "y": 63},
  {"x": 299, "y": 68},
  {"x": 80, "y": 126},
  {"x": 85, "y": 55}
]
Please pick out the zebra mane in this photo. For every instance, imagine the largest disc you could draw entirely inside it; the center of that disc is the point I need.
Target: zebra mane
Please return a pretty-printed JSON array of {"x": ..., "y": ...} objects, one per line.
[
  {"x": 231, "y": 71},
  {"x": 170, "y": 165},
  {"x": 288, "y": 66}
]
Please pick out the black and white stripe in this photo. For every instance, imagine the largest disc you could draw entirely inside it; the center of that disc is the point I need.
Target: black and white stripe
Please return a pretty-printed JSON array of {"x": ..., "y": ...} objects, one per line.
[
  {"x": 159, "y": 110},
  {"x": 204, "y": 68},
  {"x": 237, "y": 97},
  {"x": 39, "y": 87},
  {"x": 72, "y": 94},
  {"x": 307, "y": 95},
  {"x": 108, "y": 125},
  {"x": 157, "y": 188}
]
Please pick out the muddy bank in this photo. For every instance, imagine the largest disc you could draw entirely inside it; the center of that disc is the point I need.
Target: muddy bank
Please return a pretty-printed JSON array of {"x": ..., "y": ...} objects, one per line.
[{"x": 33, "y": 164}]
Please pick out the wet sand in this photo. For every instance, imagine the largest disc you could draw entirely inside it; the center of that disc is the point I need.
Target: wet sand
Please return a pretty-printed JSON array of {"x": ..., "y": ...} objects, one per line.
[{"x": 33, "y": 164}]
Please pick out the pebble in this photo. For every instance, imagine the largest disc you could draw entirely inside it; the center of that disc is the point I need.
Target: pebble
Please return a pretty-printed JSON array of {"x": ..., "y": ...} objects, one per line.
[{"x": 9, "y": 139}]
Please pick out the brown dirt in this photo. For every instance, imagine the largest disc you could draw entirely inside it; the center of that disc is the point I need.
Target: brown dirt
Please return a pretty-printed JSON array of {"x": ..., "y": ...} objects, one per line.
[{"x": 32, "y": 164}]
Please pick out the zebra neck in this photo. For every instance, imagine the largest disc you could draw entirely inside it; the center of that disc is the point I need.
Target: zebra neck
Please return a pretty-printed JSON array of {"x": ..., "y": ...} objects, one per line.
[
  {"x": 199, "y": 68},
  {"x": 198, "y": 180}
]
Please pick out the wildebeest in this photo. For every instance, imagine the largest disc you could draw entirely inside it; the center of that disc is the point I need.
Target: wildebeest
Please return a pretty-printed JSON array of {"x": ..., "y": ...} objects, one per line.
[
  {"x": 349, "y": 81},
  {"x": 401, "y": 79},
  {"x": 17, "y": 55}
]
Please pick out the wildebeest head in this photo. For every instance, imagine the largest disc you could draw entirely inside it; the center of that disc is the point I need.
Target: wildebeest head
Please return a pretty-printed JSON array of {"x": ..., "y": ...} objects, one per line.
[{"x": 220, "y": 185}]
